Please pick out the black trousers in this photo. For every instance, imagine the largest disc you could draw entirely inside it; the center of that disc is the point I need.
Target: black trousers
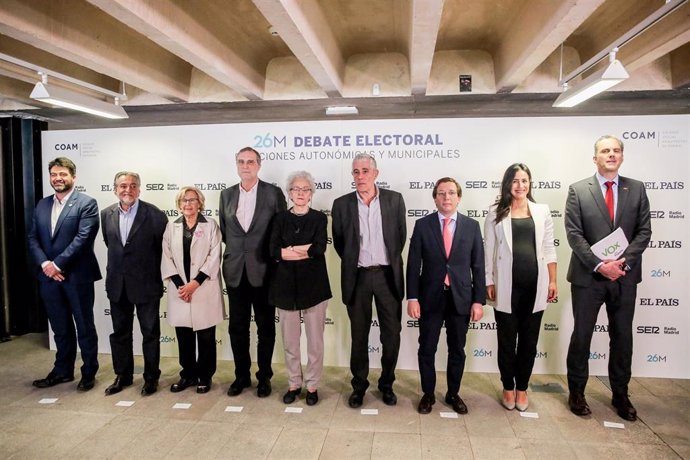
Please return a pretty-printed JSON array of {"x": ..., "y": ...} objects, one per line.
[
  {"x": 430, "y": 324},
  {"x": 620, "y": 309},
  {"x": 377, "y": 285},
  {"x": 122, "y": 314},
  {"x": 242, "y": 298},
  {"x": 518, "y": 334},
  {"x": 200, "y": 367},
  {"x": 68, "y": 304},
  {"x": 517, "y": 346}
]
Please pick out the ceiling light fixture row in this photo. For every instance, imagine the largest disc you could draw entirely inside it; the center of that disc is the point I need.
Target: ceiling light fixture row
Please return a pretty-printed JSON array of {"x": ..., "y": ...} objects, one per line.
[
  {"x": 60, "y": 96},
  {"x": 614, "y": 73}
]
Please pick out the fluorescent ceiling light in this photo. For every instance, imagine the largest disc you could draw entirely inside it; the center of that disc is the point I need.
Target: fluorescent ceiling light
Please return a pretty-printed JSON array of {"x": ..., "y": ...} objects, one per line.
[
  {"x": 62, "y": 97},
  {"x": 594, "y": 84},
  {"x": 342, "y": 110}
]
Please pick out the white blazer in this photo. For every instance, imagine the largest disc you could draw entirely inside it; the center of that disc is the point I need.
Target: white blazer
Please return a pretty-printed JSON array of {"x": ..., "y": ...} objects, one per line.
[
  {"x": 207, "y": 307},
  {"x": 498, "y": 255}
]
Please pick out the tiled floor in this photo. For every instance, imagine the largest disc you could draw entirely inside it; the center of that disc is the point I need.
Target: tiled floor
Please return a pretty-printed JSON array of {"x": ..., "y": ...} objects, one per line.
[{"x": 90, "y": 425}]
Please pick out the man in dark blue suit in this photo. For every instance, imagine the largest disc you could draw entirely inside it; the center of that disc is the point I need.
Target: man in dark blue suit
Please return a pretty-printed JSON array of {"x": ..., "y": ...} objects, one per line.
[
  {"x": 61, "y": 243},
  {"x": 445, "y": 283}
]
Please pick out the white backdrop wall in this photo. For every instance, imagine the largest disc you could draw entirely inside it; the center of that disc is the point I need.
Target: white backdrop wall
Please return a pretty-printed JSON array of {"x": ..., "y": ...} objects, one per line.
[{"x": 412, "y": 155}]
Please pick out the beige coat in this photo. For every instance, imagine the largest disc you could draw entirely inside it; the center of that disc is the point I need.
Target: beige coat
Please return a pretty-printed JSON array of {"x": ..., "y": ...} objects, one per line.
[
  {"x": 498, "y": 255},
  {"x": 207, "y": 307}
]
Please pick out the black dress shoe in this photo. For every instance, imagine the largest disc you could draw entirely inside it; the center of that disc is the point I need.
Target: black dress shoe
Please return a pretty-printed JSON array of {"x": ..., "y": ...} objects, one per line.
[
  {"x": 578, "y": 404},
  {"x": 149, "y": 388},
  {"x": 312, "y": 397},
  {"x": 624, "y": 408},
  {"x": 263, "y": 388},
  {"x": 204, "y": 386},
  {"x": 456, "y": 402},
  {"x": 290, "y": 396},
  {"x": 356, "y": 399},
  {"x": 118, "y": 385},
  {"x": 426, "y": 403},
  {"x": 182, "y": 384},
  {"x": 86, "y": 383},
  {"x": 51, "y": 380},
  {"x": 237, "y": 386},
  {"x": 388, "y": 397}
]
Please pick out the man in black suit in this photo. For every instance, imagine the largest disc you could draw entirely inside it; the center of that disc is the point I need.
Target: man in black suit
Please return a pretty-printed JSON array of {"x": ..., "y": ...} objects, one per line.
[
  {"x": 133, "y": 232},
  {"x": 445, "y": 284},
  {"x": 597, "y": 206},
  {"x": 369, "y": 234},
  {"x": 246, "y": 211},
  {"x": 61, "y": 244}
]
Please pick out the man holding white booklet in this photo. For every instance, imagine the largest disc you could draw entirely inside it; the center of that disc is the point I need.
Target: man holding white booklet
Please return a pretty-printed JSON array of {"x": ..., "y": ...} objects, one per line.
[{"x": 607, "y": 222}]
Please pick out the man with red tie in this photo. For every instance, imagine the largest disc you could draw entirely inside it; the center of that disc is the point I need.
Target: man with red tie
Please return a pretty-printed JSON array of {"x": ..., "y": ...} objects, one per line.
[
  {"x": 597, "y": 206},
  {"x": 445, "y": 283}
]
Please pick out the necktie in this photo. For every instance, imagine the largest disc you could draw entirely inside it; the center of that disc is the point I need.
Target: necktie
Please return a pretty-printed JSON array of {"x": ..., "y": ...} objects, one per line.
[
  {"x": 447, "y": 243},
  {"x": 609, "y": 198}
]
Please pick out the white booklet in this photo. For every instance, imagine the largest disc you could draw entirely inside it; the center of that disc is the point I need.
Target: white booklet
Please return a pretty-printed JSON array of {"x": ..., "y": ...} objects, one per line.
[{"x": 612, "y": 246}]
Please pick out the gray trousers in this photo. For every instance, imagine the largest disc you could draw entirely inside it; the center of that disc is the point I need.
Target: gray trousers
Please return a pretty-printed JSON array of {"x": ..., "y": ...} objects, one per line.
[{"x": 291, "y": 329}]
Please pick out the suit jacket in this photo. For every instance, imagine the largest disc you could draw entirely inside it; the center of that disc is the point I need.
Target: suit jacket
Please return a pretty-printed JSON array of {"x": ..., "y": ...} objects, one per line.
[
  {"x": 498, "y": 255},
  {"x": 136, "y": 266},
  {"x": 248, "y": 250},
  {"x": 71, "y": 245},
  {"x": 346, "y": 238},
  {"x": 427, "y": 264},
  {"x": 587, "y": 221},
  {"x": 206, "y": 308}
]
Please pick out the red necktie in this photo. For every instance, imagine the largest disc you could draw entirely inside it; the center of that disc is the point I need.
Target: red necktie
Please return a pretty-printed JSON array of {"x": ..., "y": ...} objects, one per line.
[
  {"x": 447, "y": 243},
  {"x": 609, "y": 198}
]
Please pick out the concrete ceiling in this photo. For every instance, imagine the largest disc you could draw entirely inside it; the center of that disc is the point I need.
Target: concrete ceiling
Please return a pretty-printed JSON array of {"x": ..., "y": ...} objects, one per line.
[{"x": 251, "y": 54}]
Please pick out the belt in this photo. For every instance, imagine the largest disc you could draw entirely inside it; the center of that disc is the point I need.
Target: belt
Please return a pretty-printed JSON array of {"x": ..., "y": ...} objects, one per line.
[{"x": 374, "y": 268}]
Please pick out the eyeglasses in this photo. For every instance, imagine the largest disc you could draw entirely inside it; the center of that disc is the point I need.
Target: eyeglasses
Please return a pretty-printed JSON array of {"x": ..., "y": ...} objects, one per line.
[
  {"x": 300, "y": 189},
  {"x": 189, "y": 200}
]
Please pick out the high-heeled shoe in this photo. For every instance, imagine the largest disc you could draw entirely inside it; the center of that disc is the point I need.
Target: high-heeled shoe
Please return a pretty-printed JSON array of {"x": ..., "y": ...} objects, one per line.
[
  {"x": 508, "y": 399},
  {"x": 519, "y": 403}
]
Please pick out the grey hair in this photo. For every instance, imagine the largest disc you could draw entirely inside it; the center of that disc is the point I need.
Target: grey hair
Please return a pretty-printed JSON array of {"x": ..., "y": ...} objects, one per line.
[
  {"x": 249, "y": 149},
  {"x": 136, "y": 177},
  {"x": 365, "y": 156},
  {"x": 603, "y": 138},
  {"x": 300, "y": 175}
]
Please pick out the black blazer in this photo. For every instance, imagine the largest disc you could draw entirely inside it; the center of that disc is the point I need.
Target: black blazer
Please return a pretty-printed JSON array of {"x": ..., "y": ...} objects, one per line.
[
  {"x": 587, "y": 221},
  {"x": 346, "y": 239},
  {"x": 427, "y": 264},
  {"x": 71, "y": 247},
  {"x": 136, "y": 266},
  {"x": 248, "y": 250},
  {"x": 299, "y": 284}
]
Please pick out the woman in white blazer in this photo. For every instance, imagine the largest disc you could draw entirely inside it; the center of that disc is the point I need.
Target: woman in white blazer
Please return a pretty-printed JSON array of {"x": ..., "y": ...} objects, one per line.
[
  {"x": 520, "y": 260},
  {"x": 191, "y": 268}
]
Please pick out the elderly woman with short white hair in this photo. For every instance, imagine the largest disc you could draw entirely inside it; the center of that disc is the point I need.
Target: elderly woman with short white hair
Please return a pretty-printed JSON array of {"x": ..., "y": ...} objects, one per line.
[{"x": 299, "y": 287}]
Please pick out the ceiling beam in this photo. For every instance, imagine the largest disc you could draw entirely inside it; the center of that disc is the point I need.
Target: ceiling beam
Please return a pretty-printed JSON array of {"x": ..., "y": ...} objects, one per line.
[
  {"x": 303, "y": 27},
  {"x": 680, "y": 67},
  {"x": 425, "y": 21},
  {"x": 92, "y": 39},
  {"x": 670, "y": 33},
  {"x": 531, "y": 38},
  {"x": 173, "y": 29}
]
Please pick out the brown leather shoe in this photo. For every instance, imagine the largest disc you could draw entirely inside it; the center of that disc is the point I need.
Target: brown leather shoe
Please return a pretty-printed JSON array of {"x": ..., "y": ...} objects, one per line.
[
  {"x": 624, "y": 408},
  {"x": 426, "y": 403},
  {"x": 578, "y": 404}
]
